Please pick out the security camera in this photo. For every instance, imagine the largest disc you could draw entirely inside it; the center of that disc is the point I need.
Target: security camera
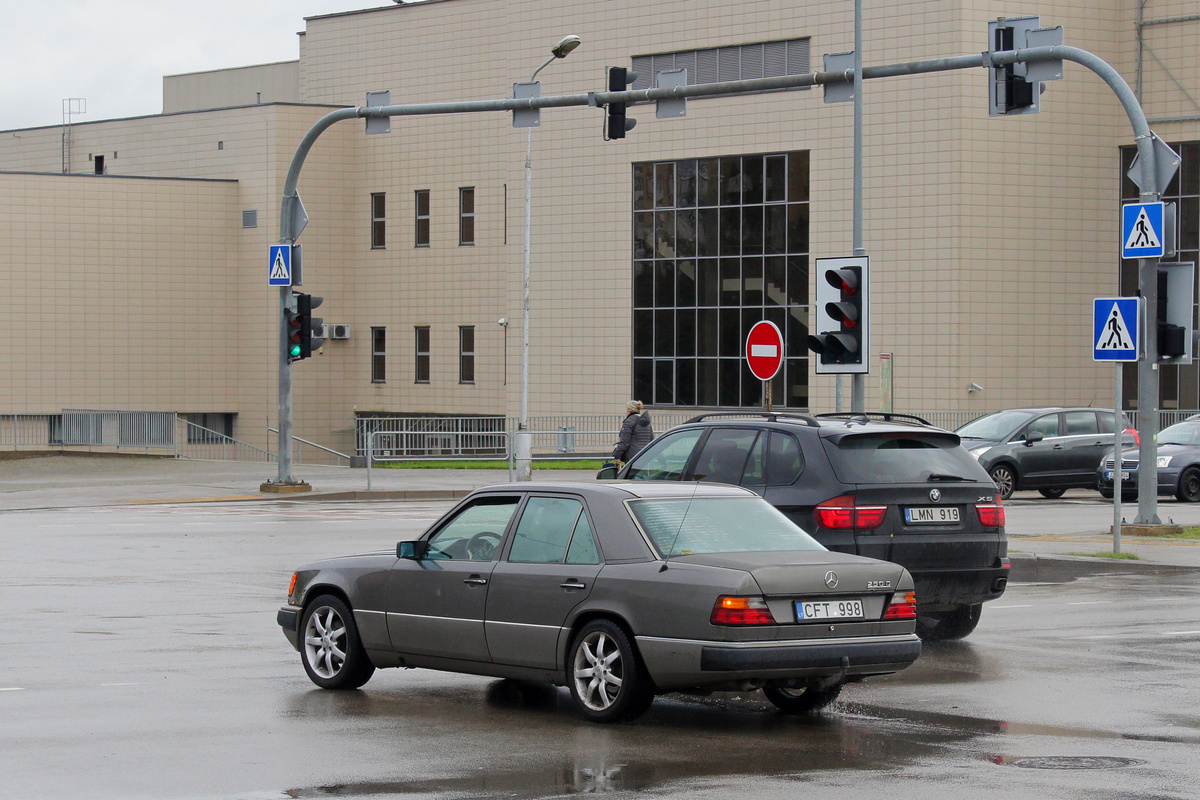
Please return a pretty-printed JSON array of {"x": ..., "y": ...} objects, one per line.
[
  {"x": 974, "y": 387},
  {"x": 502, "y": 322}
]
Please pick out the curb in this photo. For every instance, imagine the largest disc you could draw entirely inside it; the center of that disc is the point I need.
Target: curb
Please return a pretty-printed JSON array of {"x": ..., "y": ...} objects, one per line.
[
  {"x": 383, "y": 494},
  {"x": 1033, "y": 568}
]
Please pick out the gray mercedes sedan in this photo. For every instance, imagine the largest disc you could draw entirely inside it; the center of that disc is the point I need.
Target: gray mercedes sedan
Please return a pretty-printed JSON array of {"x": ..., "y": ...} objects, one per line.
[{"x": 619, "y": 591}]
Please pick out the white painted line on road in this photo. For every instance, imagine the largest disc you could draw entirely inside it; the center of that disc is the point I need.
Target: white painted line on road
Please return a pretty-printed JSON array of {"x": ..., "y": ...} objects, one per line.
[
  {"x": 1180, "y": 633},
  {"x": 1030, "y": 605},
  {"x": 1098, "y": 636},
  {"x": 1090, "y": 603},
  {"x": 120, "y": 684},
  {"x": 12, "y": 688}
]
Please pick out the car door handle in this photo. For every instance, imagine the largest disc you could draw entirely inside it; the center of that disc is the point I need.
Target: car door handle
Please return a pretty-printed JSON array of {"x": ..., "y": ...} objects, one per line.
[
  {"x": 573, "y": 584},
  {"x": 1059, "y": 447},
  {"x": 475, "y": 580}
]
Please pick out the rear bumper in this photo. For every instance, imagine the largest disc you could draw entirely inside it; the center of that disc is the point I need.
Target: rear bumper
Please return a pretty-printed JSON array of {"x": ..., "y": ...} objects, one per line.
[
  {"x": 948, "y": 588},
  {"x": 678, "y": 663}
]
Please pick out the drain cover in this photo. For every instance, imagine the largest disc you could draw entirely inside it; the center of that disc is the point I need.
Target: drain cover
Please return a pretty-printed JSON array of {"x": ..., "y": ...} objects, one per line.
[{"x": 1072, "y": 762}]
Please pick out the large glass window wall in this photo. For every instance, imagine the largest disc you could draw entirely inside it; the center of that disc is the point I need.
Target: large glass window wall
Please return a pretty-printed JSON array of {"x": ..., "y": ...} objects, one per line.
[{"x": 719, "y": 244}]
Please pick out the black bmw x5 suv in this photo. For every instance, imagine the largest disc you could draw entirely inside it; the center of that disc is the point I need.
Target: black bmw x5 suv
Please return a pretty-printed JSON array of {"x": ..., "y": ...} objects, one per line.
[{"x": 888, "y": 486}]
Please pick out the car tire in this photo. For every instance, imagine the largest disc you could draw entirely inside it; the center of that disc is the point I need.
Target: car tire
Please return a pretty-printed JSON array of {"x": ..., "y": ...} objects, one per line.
[
  {"x": 1005, "y": 480},
  {"x": 605, "y": 674},
  {"x": 1188, "y": 488},
  {"x": 332, "y": 653},
  {"x": 942, "y": 626},
  {"x": 1052, "y": 494},
  {"x": 801, "y": 701}
]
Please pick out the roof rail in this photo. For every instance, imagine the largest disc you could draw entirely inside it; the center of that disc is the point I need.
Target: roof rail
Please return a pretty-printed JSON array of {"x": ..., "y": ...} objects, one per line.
[
  {"x": 770, "y": 416},
  {"x": 864, "y": 416}
]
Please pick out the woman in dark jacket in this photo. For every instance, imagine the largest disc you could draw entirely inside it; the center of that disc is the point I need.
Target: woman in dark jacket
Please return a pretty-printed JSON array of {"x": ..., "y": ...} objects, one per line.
[{"x": 635, "y": 432}]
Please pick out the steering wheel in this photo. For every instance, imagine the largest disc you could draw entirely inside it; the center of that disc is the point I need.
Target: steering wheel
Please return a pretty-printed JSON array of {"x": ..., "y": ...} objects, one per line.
[{"x": 482, "y": 546}]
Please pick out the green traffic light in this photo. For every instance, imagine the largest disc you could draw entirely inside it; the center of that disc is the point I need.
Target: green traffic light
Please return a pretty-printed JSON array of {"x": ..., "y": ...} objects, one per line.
[{"x": 295, "y": 351}]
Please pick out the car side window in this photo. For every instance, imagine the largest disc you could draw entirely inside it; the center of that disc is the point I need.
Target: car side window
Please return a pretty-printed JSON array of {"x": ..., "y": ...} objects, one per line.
[
  {"x": 1046, "y": 425},
  {"x": 1106, "y": 421},
  {"x": 664, "y": 459},
  {"x": 785, "y": 461},
  {"x": 544, "y": 531},
  {"x": 724, "y": 456},
  {"x": 1079, "y": 423},
  {"x": 583, "y": 544},
  {"x": 475, "y": 532}
]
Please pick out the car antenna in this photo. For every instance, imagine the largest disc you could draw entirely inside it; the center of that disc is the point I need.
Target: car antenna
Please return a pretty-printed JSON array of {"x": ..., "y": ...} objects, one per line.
[{"x": 679, "y": 529}]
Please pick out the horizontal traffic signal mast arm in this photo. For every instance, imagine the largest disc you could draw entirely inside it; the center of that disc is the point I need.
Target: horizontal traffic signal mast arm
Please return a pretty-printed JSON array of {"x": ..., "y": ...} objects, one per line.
[{"x": 1137, "y": 117}]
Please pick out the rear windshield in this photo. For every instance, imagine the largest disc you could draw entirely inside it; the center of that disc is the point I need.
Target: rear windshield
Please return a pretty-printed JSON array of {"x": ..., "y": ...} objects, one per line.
[
  {"x": 695, "y": 526},
  {"x": 901, "y": 458}
]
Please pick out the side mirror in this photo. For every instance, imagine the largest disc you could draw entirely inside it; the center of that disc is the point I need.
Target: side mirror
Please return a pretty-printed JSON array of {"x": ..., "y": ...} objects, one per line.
[
  {"x": 413, "y": 551},
  {"x": 606, "y": 474},
  {"x": 1033, "y": 437}
]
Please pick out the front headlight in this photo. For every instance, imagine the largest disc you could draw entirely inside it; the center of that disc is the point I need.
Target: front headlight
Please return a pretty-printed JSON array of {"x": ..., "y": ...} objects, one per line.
[{"x": 1164, "y": 461}]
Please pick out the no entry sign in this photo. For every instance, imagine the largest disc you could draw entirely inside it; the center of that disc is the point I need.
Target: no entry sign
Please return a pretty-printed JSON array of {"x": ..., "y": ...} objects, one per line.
[{"x": 764, "y": 350}]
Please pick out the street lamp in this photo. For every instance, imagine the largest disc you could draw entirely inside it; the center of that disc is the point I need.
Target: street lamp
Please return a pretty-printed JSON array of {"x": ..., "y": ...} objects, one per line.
[{"x": 524, "y": 449}]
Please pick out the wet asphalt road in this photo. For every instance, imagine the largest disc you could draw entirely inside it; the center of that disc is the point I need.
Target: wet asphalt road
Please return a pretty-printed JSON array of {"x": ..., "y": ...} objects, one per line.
[{"x": 141, "y": 659}]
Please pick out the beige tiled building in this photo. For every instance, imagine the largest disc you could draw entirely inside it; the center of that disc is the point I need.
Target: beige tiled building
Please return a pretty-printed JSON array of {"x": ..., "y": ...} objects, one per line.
[{"x": 137, "y": 279}]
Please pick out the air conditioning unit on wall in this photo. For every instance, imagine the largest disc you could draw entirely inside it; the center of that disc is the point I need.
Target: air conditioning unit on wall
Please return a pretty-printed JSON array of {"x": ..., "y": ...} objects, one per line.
[{"x": 337, "y": 331}]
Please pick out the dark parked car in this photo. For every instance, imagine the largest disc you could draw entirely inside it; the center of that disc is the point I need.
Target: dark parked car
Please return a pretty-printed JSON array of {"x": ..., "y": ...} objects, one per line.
[
  {"x": 618, "y": 591},
  {"x": 1048, "y": 449},
  {"x": 881, "y": 485},
  {"x": 1178, "y": 464}
]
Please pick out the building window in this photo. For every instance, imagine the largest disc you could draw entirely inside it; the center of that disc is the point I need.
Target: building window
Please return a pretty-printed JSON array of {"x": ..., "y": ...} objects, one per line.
[
  {"x": 422, "y": 361},
  {"x": 466, "y": 354},
  {"x": 422, "y": 196},
  {"x": 209, "y": 428},
  {"x": 378, "y": 353},
  {"x": 466, "y": 215},
  {"x": 378, "y": 221},
  {"x": 719, "y": 244},
  {"x": 739, "y": 62}
]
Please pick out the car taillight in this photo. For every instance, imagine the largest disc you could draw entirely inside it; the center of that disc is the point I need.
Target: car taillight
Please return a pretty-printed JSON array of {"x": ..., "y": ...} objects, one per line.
[
  {"x": 741, "y": 611},
  {"x": 991, "y": 515},
  {"x": 902, "y": 607},
  {"x": 1137, "y": 439},
  {"x": 842, "y": 512}
]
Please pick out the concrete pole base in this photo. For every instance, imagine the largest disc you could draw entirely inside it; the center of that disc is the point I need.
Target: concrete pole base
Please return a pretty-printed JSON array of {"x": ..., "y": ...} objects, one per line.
[
  {"x": 285, "y": 488},
  {"x": 523, "y": 442}
]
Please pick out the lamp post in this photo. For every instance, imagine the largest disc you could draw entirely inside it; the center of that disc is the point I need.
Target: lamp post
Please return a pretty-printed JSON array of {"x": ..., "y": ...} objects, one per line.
[{"x": 524, "y": 449}]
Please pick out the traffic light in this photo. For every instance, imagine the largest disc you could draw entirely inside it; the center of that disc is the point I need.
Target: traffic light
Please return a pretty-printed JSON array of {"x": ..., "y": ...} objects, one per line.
[
  {"x": 1176, "y": 293},
  {"x": 1009, "y": 89},
  {"x": 293, "y": 334},
  {"x": 841, "y": 343},
  {"x": 617, "y": 123},
  {"x": 303, "y": 328}
]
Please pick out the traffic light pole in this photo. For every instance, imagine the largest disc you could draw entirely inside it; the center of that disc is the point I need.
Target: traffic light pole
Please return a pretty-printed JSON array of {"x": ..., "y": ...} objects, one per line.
[
  {"x": 858, "y": 380},
  {"x": 1148, "y": 278}
]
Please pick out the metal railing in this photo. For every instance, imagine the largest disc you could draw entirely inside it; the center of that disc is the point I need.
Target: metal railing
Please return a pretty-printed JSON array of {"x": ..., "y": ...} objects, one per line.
[
  {"x": 197, "y": 443},
  {"x": 297, "y": 449}
]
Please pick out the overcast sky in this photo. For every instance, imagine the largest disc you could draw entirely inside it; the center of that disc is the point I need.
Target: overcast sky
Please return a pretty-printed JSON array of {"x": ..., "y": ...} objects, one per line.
[{"x": 114, "y": 53}]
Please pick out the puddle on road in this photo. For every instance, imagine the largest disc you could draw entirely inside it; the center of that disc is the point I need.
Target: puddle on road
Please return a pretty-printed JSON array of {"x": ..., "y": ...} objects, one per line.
[{"x": 693, "y": 741}]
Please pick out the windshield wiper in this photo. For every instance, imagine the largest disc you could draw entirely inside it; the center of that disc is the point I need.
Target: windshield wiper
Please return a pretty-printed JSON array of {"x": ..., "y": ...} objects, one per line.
[{"x": 939, "y": 476}]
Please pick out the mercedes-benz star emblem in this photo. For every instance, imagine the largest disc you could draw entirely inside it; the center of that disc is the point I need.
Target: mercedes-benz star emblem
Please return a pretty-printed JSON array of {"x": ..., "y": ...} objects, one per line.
[
  {"x": 935, "y": 495},
  {"x": 831, "y": 579}
]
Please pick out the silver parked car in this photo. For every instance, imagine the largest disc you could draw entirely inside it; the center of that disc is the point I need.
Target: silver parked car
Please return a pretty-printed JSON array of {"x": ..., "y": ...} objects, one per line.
[{"x": 618, "y": 591}]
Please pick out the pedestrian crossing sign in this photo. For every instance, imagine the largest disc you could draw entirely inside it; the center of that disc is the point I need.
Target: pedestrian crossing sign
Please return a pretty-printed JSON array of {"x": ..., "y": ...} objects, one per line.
[
  {"x": 1116, "y": 327},
  {"x": 279, "y": 269},
  {"x": 1142, "y": 230}
]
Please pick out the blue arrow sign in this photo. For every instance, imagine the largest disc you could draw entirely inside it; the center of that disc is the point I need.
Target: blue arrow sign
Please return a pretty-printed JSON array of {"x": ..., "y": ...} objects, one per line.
[
  {"x": 279, "y": 268},
  {"x": 1142, "y": 230},
  {"x": 1116, "y": 328}
]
